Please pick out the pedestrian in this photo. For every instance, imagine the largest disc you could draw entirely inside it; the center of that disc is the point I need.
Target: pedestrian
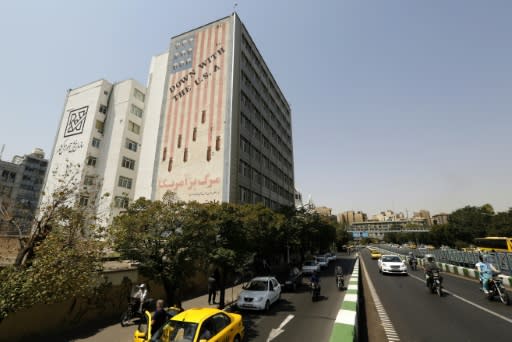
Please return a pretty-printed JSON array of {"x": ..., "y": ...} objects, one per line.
[
  {"x": 158, "y": 320},
  {"x": 212, "y": 288}
]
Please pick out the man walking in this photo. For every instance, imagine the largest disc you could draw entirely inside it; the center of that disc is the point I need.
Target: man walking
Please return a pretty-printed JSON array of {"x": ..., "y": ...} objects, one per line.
[{"x": 212, "y": 288}]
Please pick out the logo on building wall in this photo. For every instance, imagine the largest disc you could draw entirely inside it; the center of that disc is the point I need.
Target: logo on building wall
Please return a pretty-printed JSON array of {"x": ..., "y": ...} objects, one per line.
[{"x": 76, "y": 121}]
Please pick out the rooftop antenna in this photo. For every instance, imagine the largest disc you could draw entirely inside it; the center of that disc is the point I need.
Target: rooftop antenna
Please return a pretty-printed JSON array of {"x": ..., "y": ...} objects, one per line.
[
  {"x": 234, "y": 6},
  {"x": 2, "y": 151}
]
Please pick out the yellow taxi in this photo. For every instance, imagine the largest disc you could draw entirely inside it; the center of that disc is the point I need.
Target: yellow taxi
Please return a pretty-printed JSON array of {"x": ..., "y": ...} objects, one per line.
[
  {"x": 195, "y": 325},
  {"x": 375, "y": 254}
]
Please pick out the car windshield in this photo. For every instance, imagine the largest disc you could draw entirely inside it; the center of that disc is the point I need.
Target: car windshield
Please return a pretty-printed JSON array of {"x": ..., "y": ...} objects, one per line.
[
  {"x": 179, "y": 331},
  {"x": 321, "y": 259},
  {"x": 257, "y": 285},
  {"x": 391, "y": 258},
  {"x": 309, "y": 263}
]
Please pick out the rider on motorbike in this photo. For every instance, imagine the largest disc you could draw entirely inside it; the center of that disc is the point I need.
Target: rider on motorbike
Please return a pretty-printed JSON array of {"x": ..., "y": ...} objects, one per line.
[
  {"x": 485, "y": 270},
  {"x": 429, "y": 267},
  {"x": 141, "y": 294},
  {"x": 338, "y": 271}
]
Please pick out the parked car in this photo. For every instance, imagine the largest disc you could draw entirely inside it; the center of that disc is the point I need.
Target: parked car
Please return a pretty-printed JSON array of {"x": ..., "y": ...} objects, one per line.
[
  {"x": 392, "y": 264},
  {"x": 292, "y": 280},
  {"x": 330, "y": 256},
  {"x": 195, "y": 325},
  {"x": 322, "y": 261},
  {"x": 310, "y": 266},
  {"x": 259, "y": 294}
]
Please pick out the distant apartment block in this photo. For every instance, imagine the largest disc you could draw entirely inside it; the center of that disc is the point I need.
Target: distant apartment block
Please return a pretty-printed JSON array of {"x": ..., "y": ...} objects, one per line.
[
  {"x": 441, "y": 218},
  {"x": 423, "y": 214},
  {"x": 349, "y": 217},
  {"x": 100, "y": 130},
  {"x": 324, "y": 211},
  {"x": 21, "y": 181},
  {"x": 218, "y": 125}
]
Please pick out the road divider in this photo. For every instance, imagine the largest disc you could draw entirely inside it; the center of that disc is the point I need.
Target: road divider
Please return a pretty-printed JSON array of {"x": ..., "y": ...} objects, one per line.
[{"x": 345, "y": 326}]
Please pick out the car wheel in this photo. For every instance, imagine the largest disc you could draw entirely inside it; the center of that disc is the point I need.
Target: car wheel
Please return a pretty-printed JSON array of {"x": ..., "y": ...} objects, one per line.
[
  {"x": 237, "y": 339},
  {"x": 267, "y": 305}
]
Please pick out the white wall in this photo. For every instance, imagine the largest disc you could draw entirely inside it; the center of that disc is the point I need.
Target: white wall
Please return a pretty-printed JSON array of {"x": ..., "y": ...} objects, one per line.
[{"x": 153, "y": 110}]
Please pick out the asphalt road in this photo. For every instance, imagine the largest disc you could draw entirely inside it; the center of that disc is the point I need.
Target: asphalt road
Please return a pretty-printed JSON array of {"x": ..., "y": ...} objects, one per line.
[
  {"x": 463, "y": 314},
  {"x": 303, "y": 319}
]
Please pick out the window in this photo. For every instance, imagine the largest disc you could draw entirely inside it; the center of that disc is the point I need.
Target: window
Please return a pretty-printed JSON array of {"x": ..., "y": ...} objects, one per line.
[
  {"x": 125, "y": 182},
  {"x": 131, "y": 145},
  {"x": 100, "y": 126},
  {"x": 96, "y": 142},
  {"x": 136, "y": 111},
  {"x": 105, "y": 92},
  {"x": 91, "y": 161},
  {"x": 128, "y": 163},
  {"x": 133, "y": 127},
  {"x": 121, "y": 202},
  {"x": 88, "y": 180},
  {"x": 139, "y": 95},
  {"x": 103, "y": 109},
  {"x": 84, "y": 200}
]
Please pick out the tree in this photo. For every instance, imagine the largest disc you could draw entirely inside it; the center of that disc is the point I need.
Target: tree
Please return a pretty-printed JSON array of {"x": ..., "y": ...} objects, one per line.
[
  {"x": 59, "y": 260},
  {"x": 155, "y": 234}
]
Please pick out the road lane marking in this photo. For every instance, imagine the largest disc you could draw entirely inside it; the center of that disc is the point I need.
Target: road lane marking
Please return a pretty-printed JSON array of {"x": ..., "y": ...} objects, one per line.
[
  {"x": 386, "y": 323},
  {"x": 468, "y": 301},
  {"x": 276, "y": 332}
]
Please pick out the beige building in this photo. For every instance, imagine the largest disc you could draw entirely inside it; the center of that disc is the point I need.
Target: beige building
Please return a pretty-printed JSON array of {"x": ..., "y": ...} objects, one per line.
[
  {"x": 324, "y": 211},
  {"x": 441, "y": 218},
  {"x": 423, "y": 214},
  {"x": 349, "y": 217}
]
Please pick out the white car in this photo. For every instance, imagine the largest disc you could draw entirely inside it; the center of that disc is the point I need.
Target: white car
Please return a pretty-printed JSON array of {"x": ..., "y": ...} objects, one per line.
[
  {"x": 310, "y": 266},
  {"x": 259, "y": 294},
  {"x": 331, "y": 256},
  {"x": 389, "y": 263},
  {"x": 322, "y": 261}
]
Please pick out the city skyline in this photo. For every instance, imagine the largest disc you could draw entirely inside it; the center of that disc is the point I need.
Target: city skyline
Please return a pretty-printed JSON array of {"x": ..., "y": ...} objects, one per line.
[{"x": 408, "y": 108}]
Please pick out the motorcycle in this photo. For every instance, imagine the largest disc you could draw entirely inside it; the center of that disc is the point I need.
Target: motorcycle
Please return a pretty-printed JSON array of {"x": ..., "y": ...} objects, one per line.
[
  {"x": 414, "y": 264},
  {"x": 496, "y": 289},
  {"x": 315, "y": 291},
  {"x": 435, "y": 285},
  {"x": 132, "y": 311},
  {"x": 340, "y": 282}
]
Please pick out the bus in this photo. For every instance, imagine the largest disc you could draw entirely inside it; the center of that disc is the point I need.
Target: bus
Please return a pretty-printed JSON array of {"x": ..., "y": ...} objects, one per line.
[{"x": 494, "y": 244}]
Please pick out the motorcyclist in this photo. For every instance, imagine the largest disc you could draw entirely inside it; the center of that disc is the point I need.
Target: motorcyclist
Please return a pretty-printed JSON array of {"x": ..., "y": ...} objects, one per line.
[
  {"x": 429, "y": 267},
  {"x": 485, "y": 270},
  {"x": 338, "y": 272},
  {"x": 141, "y": 294}
]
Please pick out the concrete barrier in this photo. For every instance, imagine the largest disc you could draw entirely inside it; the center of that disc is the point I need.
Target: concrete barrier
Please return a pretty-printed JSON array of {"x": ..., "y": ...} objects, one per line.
[{"x": 345, "y": 326}]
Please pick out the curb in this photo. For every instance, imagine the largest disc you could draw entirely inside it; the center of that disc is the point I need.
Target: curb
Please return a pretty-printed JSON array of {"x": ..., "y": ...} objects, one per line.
[{"x": 344, "y": 328}]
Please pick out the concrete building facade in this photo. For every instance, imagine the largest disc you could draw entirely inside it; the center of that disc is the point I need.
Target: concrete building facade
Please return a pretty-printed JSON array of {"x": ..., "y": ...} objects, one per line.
[
  {"x": 224, "y": 126},
  {"x": 99, "y": 136},
  {"x": 351, "y": 216},
  {"x": 21, "y": 182},
  {"x": 441, "y": 218}
]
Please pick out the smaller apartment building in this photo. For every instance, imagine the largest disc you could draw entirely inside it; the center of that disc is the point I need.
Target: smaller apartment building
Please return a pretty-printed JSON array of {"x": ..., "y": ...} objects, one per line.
[{"x": 100, "y": 133}]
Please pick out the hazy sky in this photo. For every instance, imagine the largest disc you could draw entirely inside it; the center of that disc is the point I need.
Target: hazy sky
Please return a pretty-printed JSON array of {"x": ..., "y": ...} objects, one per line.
[{"x": 395, "y": 104}]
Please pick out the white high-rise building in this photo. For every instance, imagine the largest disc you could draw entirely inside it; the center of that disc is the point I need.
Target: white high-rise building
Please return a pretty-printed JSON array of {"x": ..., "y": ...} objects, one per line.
[{"x": 100, "y": 130}]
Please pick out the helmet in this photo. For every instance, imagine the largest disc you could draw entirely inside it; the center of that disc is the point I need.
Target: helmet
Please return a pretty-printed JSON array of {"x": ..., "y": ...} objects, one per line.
[
  {"x": 142, "y": 286},
  {"x": 429, "y": 257}
]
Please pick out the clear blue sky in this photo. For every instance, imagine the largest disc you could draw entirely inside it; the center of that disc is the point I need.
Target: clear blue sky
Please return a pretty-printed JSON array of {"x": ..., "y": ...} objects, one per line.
[{"x": 396, "y": 104}]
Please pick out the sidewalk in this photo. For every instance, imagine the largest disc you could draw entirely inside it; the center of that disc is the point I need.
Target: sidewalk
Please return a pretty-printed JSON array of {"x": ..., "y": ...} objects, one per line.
[{"x": 115, "y": 332}]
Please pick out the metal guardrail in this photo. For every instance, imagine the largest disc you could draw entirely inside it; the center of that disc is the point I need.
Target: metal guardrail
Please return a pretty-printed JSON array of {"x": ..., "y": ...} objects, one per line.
[{"x": 502, "y": 260}]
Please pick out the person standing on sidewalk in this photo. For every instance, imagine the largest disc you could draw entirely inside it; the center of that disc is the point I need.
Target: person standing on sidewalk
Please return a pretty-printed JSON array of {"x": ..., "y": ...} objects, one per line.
[{"x": 212, "y": 288}]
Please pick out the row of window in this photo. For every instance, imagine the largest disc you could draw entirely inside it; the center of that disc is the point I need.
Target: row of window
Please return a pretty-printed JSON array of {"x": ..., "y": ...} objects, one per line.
[
  {"x": 139, "y": 95},
  {"x": 182, "y": 63},
  {"x": 262, "y": 71},
  {"x": 261, "y": 97},
  {"x": 8, "y": 176},
  {"x": 248, "y": 196},
  {"x": 184, "y": 42},
  {"x": 249, "y": 107},
  {"x": 133, "y": 127},
  {"x": 136, "y": 111},
  {"x": 126, "y": 163},
  {"x": 183, "y": 53},
  {"x": 258, "y": 136},
  {"x": 260, "y": 179}
]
